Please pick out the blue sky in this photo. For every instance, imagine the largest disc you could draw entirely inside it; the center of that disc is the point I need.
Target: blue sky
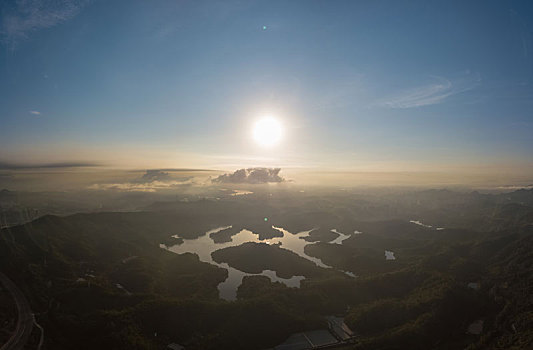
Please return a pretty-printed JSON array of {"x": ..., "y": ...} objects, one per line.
[{"x": 356, "y": 84}]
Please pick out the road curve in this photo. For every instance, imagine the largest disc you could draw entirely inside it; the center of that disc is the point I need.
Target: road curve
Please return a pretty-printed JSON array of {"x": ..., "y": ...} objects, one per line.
[{"x": 25, "y": 320}]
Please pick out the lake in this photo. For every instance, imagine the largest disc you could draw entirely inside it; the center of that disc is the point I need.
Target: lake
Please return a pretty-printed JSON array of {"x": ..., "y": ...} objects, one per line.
[{"x": 203, "y": 246}]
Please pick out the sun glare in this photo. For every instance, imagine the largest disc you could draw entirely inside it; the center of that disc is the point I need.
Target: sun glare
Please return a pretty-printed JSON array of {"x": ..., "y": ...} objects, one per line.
[{"x": 267, "y": 132}]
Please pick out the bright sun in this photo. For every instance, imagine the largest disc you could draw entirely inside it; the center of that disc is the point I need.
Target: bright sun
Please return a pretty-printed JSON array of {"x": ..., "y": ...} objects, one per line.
[{"x": 267, "y": 132}]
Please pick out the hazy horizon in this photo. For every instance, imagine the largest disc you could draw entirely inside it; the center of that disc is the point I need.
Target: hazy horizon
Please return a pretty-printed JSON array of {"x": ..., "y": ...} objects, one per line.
[{"x": 59, "y": 178}]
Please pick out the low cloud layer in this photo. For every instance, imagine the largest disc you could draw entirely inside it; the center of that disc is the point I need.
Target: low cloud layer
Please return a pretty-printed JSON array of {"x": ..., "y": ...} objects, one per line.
[
  {"x": 251, "y": 176},
  {"x": 151, "y": 181},
  {"x": 141, "y": 187}
]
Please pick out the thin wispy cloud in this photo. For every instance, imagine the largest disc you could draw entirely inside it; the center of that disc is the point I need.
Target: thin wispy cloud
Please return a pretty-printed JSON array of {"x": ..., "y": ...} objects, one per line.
[
  {"x": 18, "y": 22},
  {"x": 430, "y": 94},
  {"x": 18, "y": 166},
  {"x": 35, "y": 112}
]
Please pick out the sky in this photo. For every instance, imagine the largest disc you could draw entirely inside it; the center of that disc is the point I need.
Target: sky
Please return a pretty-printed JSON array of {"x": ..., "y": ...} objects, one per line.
[{"x": 357, "y": 85}]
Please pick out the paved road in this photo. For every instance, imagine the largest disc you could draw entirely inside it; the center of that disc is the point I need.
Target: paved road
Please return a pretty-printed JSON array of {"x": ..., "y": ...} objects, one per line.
[{"x": 25, "y": 317}]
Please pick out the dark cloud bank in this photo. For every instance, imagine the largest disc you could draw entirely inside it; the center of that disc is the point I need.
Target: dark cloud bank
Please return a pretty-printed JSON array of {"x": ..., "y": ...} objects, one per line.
[
  {"x": 155, "y": 175},
  {"x": 251, "y": 176}
]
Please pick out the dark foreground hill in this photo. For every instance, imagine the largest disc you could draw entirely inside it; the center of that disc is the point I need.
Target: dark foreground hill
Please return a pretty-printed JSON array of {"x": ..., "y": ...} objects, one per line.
[{"x": 102, "y": 281}]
